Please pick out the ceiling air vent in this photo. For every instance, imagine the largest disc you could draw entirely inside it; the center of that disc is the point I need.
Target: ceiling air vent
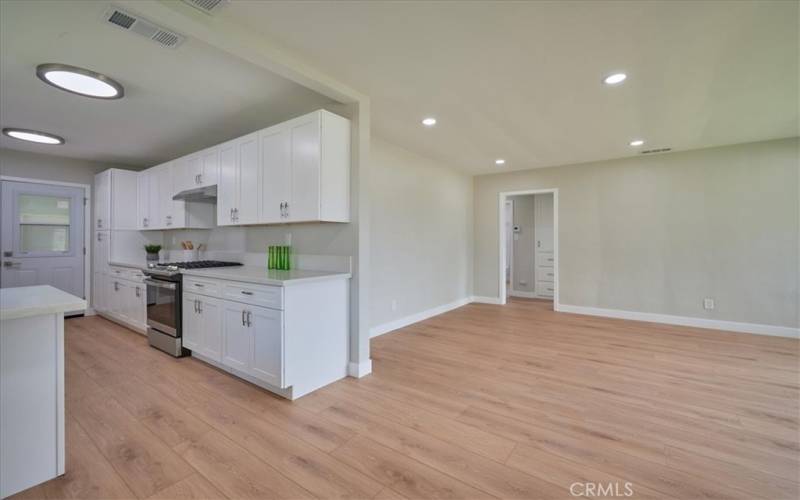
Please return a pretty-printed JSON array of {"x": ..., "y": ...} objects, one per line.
[
  {"x": 207, "y": 6},
  {"x": 659, "y": 150},
  {"x": 143, "y": 27}
]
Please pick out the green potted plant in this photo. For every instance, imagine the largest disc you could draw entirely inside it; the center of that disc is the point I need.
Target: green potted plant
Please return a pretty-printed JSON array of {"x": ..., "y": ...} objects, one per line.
[{"x": 152, "y": 252}]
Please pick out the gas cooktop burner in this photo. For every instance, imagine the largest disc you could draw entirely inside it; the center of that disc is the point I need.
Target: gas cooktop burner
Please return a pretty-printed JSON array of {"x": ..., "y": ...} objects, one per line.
[{"x": 199, "y": 264}]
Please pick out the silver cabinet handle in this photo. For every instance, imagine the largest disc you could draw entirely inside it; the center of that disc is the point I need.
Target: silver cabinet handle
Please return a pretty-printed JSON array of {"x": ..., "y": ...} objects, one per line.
[
  {"x": 249, "y": 315},
  {"x": 243, "y": 316},
  {"x": 199, "y": 178},
  {"x": 287, "y": 209},
  {"x": 99, "y": 236},
  {"x": 200, "y": 306},
  {"x": 138, "y": 292},
  {"x": 231, "y": 214},
  {"x": 245, "y": 292},
  {"x": 99, "y": 222},
  {"x": 236, "y": 214},
  {"x": 116, "y": 286},
  {"x": 199, "y": 284}
]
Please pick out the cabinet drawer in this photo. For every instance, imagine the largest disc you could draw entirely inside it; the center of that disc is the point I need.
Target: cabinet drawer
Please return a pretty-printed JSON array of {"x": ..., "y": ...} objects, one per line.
[
  {"x": 260, "y": 295},
  {"x": 545, "y": 289},
  {"x": 546, "y": 259},
  {"x": 545, "y": 274},
  {"x": 203, "y": 287}
]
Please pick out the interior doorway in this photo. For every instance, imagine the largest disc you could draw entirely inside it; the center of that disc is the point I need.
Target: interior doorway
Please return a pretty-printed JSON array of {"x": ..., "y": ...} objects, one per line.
[
  {"x": 529, "y": 245},
  {"x": 43, "y": 235}
]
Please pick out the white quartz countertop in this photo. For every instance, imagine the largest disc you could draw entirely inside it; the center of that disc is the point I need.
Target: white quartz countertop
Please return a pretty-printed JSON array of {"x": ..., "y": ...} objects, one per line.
[
  {"x": 264, "y": 276},
  {"x": 26, "y": 301}
]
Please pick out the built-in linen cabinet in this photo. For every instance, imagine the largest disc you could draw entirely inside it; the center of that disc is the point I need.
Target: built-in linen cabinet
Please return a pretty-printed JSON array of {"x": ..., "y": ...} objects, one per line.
[{"x": 238, "y": 188}]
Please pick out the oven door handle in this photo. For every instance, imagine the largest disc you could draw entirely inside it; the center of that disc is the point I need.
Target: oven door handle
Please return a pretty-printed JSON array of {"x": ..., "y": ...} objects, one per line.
[{"x": 160, "y": 284}]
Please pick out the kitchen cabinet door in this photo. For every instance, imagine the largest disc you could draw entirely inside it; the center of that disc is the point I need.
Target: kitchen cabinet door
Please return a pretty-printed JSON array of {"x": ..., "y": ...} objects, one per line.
[
  {"x": 249, "y": 177},
  {"x": 275, "y": 174},
  {"x": 303, "y": 201},
  {"x": 102, "y": 200},
  {"x": 228, "y": 185},
  {"x": 101, "y": 253},
  {"x": 208, "y": 173},
  {"x": 142, "y": 200},
  {"x": 211, "y": 319},
  {"x": 192, "y": 170},
  {"x": 100, "y": 292},
  {"x": 192, "y": 323},
  {"x": 123, "y": 199},
  {"x": 236, "y": 337},
  {"x": 267, "y": 334},
  {"x": 154, "y": 221},
  {"x": 138, "y": 311},
  {"x": 165, "y": 185}
]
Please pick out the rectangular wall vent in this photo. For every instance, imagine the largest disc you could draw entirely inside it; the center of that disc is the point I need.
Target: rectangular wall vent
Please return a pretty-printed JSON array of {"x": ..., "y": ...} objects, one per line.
[
  {"x": 207, "y": 6},
  {"x": 659, "y": 150},
  {"x": 143, "y": 27}
]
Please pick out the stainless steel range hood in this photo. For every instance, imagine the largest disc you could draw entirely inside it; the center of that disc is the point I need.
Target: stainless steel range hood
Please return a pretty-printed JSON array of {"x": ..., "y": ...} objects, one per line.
[{"x": 206, "y": 194}]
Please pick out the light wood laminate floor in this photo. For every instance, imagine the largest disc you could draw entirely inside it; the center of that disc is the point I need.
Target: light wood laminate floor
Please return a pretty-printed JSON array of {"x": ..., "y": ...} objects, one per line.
[{"x": 485, "y": 401}]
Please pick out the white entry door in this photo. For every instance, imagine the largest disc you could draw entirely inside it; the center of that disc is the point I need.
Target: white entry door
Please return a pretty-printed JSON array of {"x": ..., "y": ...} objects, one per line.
[{"x": 42, "y": 236}]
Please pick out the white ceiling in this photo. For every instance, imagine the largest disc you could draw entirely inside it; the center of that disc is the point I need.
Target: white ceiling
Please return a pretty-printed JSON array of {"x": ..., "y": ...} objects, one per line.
[
  {"x": 521, "y": 80},
  {"x": 176, "y": 101},
  {"x": 518, "y": 80}
]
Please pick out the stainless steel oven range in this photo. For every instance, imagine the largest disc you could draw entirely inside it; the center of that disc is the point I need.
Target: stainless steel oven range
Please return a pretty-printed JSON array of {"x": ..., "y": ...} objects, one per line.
[{"x": 164, "y": 303}]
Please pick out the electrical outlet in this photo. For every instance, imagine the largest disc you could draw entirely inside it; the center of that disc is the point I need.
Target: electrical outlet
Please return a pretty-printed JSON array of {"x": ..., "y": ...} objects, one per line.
[
  {"x": 394, "y": 304},
  {"x": 708, "y": 303}
]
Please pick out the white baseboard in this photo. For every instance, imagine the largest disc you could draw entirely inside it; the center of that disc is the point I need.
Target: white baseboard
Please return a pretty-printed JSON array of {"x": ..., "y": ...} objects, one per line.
[
  {"x": 414, "y": 318},
  {"x": 714, "y": 324},
  {"x": 359, "y": 370},
  {"x": 486, "y": 300}
]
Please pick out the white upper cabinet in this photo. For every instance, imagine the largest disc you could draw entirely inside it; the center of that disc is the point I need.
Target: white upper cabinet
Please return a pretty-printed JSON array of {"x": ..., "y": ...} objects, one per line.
[
  {"x": 296, "y": 171},
  {"x": 102, "y": 200},
  {"x": 306, "y": 170},
  {"x": 157, "y": 209},
  {"x": 197, "y": 170},
  {"x": 238, "y": 188},
  {"x": 115, "y": 194}
]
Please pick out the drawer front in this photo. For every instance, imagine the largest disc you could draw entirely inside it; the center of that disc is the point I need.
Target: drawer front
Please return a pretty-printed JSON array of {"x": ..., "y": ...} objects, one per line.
[
  {"x": 259, "y": 295},
  {"x": 135, "y": 275},
  {"x": 546, "y": 260},
  {"x": 545, "y": 289},
  {"x": 545, "y": 274},
  {"x": 202, "y": 286}
]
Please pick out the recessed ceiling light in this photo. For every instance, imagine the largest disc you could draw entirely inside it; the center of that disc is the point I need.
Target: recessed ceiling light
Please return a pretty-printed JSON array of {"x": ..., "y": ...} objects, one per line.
[
  {"x": 79, "y": 81},
  {"x": 615, "y": 78},
  {"x": 429, "y": 122},
  {"x": 33, "y": 136},
  {"x": 499, "y": 161},
  {"x": 637, "y": 142}
]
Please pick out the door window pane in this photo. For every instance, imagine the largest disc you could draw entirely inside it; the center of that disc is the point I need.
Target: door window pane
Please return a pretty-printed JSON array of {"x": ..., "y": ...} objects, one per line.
[
  {"x": 43, "y": 223},
  {"x": 43, "y": 238}
]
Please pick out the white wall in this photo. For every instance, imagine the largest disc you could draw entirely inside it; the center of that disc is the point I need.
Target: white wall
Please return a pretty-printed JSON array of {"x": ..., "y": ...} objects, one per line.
[
  {"x": 15, "y": 163},
  {"x": 657, "y": 234},
  {"x": 421, "y": 234}
]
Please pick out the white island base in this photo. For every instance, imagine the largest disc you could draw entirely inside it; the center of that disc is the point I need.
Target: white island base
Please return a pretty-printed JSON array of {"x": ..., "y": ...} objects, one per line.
[{"x": 32, "y": 385}]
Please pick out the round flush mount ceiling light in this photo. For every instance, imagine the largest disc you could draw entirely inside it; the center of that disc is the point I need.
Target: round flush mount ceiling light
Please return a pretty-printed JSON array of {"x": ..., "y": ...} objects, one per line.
[
  {"x": 499, "y": 161},
  {"x": 429, "y": 122},
  {"x": 636, "y": 142},
  {"x": 24, "y": 134},
  {"x": 79, "y": 81},
  {"x": 615, "y": 78}
]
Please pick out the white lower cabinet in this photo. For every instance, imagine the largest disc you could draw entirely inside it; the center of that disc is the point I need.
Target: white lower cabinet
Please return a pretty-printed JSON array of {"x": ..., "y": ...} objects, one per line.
[
  {"x": 121, "y": 296},
  {"x": 202, "y": 325},
  {"x": 266, "y": 329},
  {"x": 265, "y": 333},
  {"x": 236, "y": 337}
]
